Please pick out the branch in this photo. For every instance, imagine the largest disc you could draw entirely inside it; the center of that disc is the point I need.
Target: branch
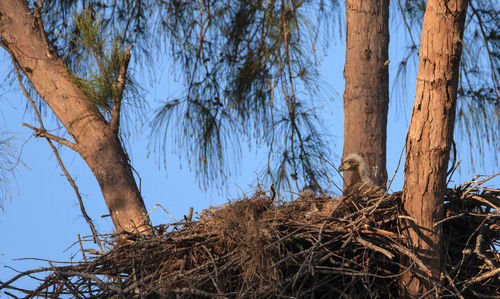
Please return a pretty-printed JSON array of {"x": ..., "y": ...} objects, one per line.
[
  {"x": 38, "y": 17},
  {"x": 41, "y": 132},
  {"x": 374, "y": 247},
  {"x": 38, "y": 132},
  {"x": 48, "y": 136},
  {"x": 486, "y": 275},
  {"x": 119, "y": 87}
]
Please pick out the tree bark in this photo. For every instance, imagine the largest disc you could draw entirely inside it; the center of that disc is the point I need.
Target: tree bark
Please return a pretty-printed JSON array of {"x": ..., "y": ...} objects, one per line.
[
  {"x": 95, "y": 139},
  {"x": 366, "y": 94},
  {"x": 430, "y": 135}
]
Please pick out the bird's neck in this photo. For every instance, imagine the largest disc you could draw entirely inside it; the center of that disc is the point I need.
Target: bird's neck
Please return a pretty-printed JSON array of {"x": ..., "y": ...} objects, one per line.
[{"x": 355, "y": 177}]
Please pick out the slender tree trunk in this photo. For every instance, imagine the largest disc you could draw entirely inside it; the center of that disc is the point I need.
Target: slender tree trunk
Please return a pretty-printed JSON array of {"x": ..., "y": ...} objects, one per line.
[
  {"x": 366, "y": 94},
  {"x": 94, "y": 138},
  {"x": 430, "y": 136}
]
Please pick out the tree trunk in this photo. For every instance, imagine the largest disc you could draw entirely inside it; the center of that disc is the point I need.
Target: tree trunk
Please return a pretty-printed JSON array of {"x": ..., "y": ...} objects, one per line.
[
  {"x": 430, "y": 136},
  {"x": 95, "y": 140},
  {"x": 366, "y": 94}
]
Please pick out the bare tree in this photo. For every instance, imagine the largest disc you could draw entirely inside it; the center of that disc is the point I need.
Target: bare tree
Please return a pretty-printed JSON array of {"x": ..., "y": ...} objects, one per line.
[
  {"x": 366, "y": 94},
  {"x": 430, "y": 136},
  {"x": 95, "y": 138}
]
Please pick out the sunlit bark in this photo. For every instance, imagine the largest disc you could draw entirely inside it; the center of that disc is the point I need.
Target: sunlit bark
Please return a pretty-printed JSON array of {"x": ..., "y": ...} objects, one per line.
[{"x": 430, "y": 136}]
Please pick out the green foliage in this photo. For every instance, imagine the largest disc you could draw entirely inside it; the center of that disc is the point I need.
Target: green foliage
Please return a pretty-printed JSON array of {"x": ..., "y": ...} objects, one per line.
[
  {"x": 99, "y": 61},
  {"x": 250, "y": 70},
  {"x": 129, "y": 18},
  {"x": 250, "y": 73},
  {"x": 479, "y": 90}
]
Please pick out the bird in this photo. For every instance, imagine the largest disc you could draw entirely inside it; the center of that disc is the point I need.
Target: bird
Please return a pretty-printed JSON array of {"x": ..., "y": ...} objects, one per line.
[{"x": 360, "y": 183}]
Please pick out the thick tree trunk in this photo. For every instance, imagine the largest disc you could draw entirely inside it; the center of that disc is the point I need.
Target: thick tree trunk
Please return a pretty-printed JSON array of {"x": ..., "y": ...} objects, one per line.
[
  {"x": 95, "y": 140},
  {"x": 366, "y": 94},
  {"x": 430, "y": 136}
]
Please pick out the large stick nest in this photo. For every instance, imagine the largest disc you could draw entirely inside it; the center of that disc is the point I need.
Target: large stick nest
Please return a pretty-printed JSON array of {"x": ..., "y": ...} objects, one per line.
[{"x": 316, "y": 246}]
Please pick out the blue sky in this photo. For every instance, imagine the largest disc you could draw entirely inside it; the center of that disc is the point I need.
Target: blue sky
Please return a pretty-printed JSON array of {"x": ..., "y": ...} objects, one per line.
[{"x": 42, "y": 219}]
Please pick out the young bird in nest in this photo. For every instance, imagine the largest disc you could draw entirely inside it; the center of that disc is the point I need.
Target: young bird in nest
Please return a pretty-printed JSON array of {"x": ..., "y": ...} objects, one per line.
[{"x": 360, "y": 182}]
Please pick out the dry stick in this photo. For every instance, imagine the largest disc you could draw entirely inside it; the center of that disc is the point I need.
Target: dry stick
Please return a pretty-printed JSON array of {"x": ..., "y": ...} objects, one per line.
[
  {"x": 12, "y": 295},
  {"x": 102, "y": 284},
  {"x": 22, "y": 274},
  {"x": 467, "y": 251},
  {"x": 397, "y": 168},
  {"x": 56, "y": 153},
  {"x": 374, "y": 247},
  {"x": 477, "y": 249},
  {"x": 32, "y": 293},
  {"x": 81, "y": 248},
  {"x": 135, "y": 284},
  {"x": 84, "y": 259},
  {"x": 478, "y": 198},
  {"x": 215, "y": 270},
  {"x": 189, "y": 218},
  {"x": 449, "y": 218},
  {"x": 452, "y": 284},
  {"x": 43, "y": 133},
  {"x": 196, "y": 292},
  {"x": 479, "y": 183},
  {"x": 160, "y": 206},
  {"x": 310, "y": 256},
  {"x": 413, "y": 257},
  {"x": 484, "y": 276},
  {"x": 66, "y": 281}
]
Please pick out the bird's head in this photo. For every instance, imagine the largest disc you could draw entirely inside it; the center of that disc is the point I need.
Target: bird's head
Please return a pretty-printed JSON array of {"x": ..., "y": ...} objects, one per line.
[
  {"x": 349, "y": 165},
  {"x": 353, "y": 162}
]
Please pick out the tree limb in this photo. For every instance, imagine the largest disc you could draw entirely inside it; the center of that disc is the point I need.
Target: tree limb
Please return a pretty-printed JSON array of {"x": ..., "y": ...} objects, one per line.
[
  {"x": 38, "y": 17},
  {"x": 41, "y": 132},
  {"x": 119, "y": 87}
]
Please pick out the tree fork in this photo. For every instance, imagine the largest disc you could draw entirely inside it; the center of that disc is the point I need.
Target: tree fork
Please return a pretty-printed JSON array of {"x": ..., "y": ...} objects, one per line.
[
  {"x": 429, "y": 138},
  {"x": 96, "y": 140}
]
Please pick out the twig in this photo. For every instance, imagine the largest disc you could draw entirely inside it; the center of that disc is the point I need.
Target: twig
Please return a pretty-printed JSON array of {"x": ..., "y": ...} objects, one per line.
[
  {"x": 198, "y": 293},
  {"x": 160, "y": 206},
  {"x": 375, "y": 247},
  {"x": 487, "y": 202},
  {"x": 397, "y": 167},
  {"x": 413, "y": 257},
  {"x": 81, "y": 248},
  {"x": 104, "y": 285},
  {"x": 43, "y": 133},
  {"x": 452, "y": 284},
  {"x": 489, "y": 177},
  {"x": 66, "y": 281},
  {"x": 486, "y": 275}
]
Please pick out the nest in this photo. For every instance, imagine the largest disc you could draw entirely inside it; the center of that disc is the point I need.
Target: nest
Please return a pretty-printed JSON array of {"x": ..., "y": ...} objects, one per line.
[{"x": 315, "y": 246}]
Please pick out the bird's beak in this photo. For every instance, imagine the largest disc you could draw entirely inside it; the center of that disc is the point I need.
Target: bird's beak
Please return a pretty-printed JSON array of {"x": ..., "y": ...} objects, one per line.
[{"x": 341, "y": 167}]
